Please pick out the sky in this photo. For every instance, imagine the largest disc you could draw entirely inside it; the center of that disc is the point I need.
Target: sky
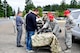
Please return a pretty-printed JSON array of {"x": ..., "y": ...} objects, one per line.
[{"x": 21, "y": 3}]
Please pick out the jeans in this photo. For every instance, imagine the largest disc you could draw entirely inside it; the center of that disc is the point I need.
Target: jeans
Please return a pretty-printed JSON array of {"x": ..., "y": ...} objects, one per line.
[
  {"x": 19, "y": 34},
  {"x": 28, "y": 40}
]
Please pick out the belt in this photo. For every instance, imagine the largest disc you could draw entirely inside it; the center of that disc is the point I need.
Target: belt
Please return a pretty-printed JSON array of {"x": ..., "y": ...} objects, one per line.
[{"x": 19, "y": 25}]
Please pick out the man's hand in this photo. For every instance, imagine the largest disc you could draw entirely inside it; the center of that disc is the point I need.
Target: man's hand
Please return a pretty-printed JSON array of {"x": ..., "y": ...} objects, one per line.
[
  {"x": 54, "y": 33},
  {"x": 40, "y": 30},
  {"x": 68, "y": 28}
]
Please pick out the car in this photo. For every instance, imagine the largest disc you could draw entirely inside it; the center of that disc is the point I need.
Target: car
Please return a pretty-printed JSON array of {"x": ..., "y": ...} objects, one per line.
[
  {"x": 58, "y": 18},
  {"x": 76, "y": 29}
]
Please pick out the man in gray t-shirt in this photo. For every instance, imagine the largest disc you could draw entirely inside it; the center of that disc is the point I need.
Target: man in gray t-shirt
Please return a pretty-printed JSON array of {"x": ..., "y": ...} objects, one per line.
[{"x": 19, "y": 23}]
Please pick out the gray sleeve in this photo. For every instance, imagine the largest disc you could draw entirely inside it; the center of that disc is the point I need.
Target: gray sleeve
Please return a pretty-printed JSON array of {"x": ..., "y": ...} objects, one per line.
[
  {"x": 46, "y": 24},
  {"x": 73, "y": 22},
  {"x": 21, "y": 21},
  {"x": 56, "y": 27}
]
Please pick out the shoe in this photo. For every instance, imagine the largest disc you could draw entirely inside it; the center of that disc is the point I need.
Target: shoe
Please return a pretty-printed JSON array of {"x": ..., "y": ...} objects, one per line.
[
  {"x": 67, "y": 51},
  {"x": 30, "y": 51},
  {"x": 20, "y": 46},
  {"x": 27, "y": 50}
]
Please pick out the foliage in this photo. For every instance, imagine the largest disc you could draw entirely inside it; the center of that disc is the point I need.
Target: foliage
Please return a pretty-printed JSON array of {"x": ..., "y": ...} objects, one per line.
[
  {"x": 1, "y": 9},
  {"x": 13, "y": 13},
  {"x": 9, "y": 11},
  {"x": 46, "y": 8},
  {"x": 40, "y": 11},
  {"x": 29, "y": 7},
  {"x": 5, "y": 6},
  {"x": 60, "y": 8},
  {"x": 24, "y": 12}
]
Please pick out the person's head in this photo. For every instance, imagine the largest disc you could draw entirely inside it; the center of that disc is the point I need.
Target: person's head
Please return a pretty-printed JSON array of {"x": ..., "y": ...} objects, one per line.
[
  {"x": 50, "y": 16},
  {"x": 67, "y": 13},
  {"x": 19, "y": 13},
  {"x": 36, "y": 11}
]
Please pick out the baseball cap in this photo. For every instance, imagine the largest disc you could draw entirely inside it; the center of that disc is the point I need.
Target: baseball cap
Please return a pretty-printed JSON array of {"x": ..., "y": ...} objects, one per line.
[
  {"x": 66, "y": 12},
  {"x": 50, "y": 16}
]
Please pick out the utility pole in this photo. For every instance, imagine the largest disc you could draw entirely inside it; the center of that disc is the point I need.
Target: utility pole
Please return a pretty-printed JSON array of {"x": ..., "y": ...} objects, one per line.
[{"x": 5, "y": 8}]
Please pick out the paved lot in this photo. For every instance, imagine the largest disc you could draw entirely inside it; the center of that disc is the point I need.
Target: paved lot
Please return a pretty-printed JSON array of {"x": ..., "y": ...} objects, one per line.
[{"x": 8, "y": 40}]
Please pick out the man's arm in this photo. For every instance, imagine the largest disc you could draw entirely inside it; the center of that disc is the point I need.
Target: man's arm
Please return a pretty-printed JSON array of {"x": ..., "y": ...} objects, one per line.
[
  {"x": 21, "y": 21},
  {"x": 56, "y": 27},
  {"x": 46, "y": 24},
  {"x": 73, "y": 22}
]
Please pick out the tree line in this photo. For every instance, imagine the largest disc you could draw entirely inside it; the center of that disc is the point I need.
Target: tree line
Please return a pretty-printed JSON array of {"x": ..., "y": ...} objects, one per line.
[
  {"x": 6, "y": 9},
  {"x": 55, "y": 7},
  {"x": 60, "y": 8},
  {"x": 30, "y": 6}
]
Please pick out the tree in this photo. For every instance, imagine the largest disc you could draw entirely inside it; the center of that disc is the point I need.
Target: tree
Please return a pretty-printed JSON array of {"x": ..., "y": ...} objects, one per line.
[
  {"x": 78, "y": 2},
  {"x": 73, "y": 4},
  {"x": 47, "y": 8},
  {"x": 40, "y": 11},
  {"x": 62, "y": 6},
  {"x": 13, "y": 13},
  {"x": 5, "y": 8},
  {"x": 9, "y": 11},
  {"x": 55, "y": 7},
  {"x": 29, "y": 5},
  {"x": 1, "y": 9},
  {"x": 28, "y": 2},
  {"x": 24, "y": 12},
  {"x": 39, "y": 7}
]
